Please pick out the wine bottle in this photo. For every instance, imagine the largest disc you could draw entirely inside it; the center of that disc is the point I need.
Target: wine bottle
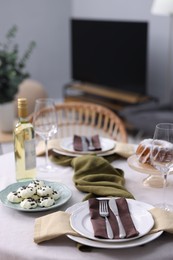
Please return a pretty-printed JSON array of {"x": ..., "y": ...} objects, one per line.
[{"x": 24, "y": 144}]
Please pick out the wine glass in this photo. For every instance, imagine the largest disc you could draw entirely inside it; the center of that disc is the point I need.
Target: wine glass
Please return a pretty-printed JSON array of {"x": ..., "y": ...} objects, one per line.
[
  {"x": 162, "y": 155},
  {"x": 45, "y": 125}
]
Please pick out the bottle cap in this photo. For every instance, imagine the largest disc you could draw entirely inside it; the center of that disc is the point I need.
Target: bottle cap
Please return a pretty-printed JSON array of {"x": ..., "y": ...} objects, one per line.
[{"x": 22, "y": 107}]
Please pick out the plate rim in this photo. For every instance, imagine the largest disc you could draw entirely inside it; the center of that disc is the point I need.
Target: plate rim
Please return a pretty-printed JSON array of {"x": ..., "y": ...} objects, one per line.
[
  {"x": 63, "y": 152},
  {"x": 37, "y": 209},
  {"x": 133, "y": 243}
]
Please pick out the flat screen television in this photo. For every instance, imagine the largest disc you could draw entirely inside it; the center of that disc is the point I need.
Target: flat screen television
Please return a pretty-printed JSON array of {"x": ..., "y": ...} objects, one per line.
[{"x": 110, "y": 53}]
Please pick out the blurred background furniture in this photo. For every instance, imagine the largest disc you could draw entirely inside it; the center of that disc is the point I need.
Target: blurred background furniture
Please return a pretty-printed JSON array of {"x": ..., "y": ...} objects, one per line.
[
  {"x": 114, "y": 99},
  {"x": 143, "y": 118}
]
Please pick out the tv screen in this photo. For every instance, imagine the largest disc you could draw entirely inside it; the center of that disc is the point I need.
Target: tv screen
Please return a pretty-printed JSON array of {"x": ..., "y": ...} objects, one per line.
[{"x": 110, "y": 53}]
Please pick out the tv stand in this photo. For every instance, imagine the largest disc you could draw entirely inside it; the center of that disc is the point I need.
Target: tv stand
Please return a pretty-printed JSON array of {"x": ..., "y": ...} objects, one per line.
[{"x": 114, "y": 99}]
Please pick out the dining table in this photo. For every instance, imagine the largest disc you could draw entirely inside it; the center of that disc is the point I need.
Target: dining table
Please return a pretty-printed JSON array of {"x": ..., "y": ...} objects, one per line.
[{"x": 17, "y": 227}]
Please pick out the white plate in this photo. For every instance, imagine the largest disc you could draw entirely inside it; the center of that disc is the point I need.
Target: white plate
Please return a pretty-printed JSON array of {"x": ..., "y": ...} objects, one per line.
[
  {"x": 81, "y": 222},
  {"x": 141, "y": 167},
  {"x": 133, "y": 243},
  {"x": 106, "y": 144},
  {"x": 64, "y": 191},
  {"x": 76, "y": 154}
]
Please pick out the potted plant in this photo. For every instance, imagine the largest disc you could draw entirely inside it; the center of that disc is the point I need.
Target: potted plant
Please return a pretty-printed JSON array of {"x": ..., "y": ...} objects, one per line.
[{"x": 12, "y": 70}]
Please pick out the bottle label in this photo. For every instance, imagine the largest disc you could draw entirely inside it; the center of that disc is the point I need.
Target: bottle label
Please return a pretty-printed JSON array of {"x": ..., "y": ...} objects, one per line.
[{"x": 30, "y": 154}]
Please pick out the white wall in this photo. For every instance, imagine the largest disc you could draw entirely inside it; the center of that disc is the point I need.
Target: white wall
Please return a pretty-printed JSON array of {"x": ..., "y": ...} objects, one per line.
[
  {"x": 46, "y": 22},
  {"x": 158, "y": 34}
]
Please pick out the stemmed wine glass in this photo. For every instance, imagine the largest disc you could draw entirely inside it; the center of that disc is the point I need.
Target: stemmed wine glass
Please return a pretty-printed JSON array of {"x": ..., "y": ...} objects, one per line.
[
  {"x": 162, "y": 155},
  {"x": 45, "y": 125}
]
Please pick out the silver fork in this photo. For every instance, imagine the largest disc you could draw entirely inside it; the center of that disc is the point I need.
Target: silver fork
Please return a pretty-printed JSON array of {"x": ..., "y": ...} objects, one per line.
[{"x": 103, "y": 211}]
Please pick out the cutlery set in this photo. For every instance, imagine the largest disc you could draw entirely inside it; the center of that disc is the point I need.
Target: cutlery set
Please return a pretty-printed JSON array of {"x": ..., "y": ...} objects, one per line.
[
  {"x": 87, "y": 143},
  {"x": 103, "y": 211}
]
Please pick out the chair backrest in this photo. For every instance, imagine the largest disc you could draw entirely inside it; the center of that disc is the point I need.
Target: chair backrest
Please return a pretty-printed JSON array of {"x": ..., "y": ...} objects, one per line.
[{"x": 84, "y": 118}]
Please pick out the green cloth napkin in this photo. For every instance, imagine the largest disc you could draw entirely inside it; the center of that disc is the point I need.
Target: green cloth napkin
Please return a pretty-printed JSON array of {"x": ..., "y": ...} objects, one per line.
[
  {"x": 65, "y": 160},
  {"x": 95, "y": 176}
]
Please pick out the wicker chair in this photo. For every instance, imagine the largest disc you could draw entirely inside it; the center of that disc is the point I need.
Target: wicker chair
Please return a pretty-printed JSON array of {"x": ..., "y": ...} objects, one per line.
[{"x": 84, "y": 118}]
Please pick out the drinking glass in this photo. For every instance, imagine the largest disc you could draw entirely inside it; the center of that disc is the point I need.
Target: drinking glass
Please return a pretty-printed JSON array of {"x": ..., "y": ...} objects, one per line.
[
  {"x": 162, "y": 155},
  {"x": 45, "y": 125}
]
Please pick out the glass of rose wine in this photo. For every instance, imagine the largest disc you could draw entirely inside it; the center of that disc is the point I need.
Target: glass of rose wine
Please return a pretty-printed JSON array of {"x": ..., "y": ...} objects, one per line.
[{"x": 162, "y": 156}]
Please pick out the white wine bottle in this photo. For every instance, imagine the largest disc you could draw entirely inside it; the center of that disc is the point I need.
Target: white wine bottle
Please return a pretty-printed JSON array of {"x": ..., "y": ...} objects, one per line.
[{"x": 24, "y": 144}]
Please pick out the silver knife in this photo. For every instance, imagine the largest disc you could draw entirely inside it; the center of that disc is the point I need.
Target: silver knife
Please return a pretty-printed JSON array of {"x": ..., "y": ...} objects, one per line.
[{"x": 113, "y": 207}]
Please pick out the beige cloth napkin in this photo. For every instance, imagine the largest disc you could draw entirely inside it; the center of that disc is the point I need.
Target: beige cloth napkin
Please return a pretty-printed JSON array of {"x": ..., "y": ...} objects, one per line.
[
  {"x": 57, "y": 224},
  {"x": 51, "y": 226},
  {"x": 163, "y": 220},
  {"x": 123, "y": 149}
]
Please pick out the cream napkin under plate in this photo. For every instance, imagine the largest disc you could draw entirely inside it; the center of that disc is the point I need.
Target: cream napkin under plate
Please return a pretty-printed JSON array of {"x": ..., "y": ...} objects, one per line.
[
  {"x": 123, "y": 149},
  {"x": 57, "y": 224}
]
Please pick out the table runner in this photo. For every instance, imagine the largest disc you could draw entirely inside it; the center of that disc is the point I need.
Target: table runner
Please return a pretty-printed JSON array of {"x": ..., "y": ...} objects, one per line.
[{"x": 97, "y": 177}]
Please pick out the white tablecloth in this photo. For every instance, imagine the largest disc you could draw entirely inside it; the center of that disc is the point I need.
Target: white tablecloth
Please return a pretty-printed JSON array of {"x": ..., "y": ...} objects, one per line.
[{"x": 16, "y": 228}]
